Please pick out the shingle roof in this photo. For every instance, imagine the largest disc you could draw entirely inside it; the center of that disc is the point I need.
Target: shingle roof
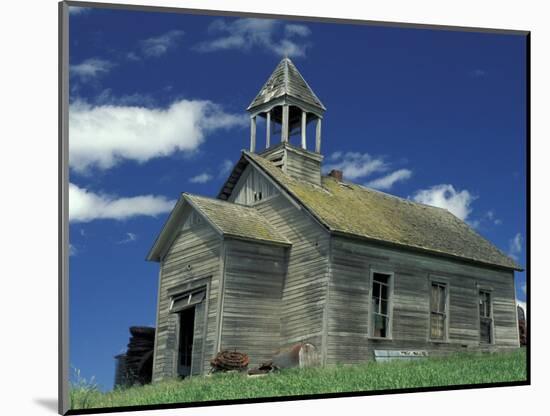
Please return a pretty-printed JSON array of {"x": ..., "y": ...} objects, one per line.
[
  {"x": 353, "y": 209},
  {"x": 286, "y": 80},
  {"x": 236, "y": 220}
]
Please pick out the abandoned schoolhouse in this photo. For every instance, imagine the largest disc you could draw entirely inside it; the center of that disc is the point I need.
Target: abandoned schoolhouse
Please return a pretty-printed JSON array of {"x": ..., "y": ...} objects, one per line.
[{"x": 285, "y": 254}]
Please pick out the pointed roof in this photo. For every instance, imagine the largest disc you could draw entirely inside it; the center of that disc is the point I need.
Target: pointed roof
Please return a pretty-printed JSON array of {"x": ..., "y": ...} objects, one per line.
[
  {"x": 286, "y": 80},
  {"x": 235, "y": 220},
  {"x": 229, "y": 220},
  {"x": 354, "y": 210}
]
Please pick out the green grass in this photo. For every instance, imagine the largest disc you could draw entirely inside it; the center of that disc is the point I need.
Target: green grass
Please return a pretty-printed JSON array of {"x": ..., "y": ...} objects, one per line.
[{"x": 446, "y": 371}]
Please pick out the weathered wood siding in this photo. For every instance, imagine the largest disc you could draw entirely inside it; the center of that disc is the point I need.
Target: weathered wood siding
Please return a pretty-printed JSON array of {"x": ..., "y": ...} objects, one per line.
[
  {"x": 249, "y": 188},
  {"x": 304, "y": 292},
  {"x": 253, "y": 282},
  {"x": 348, "y": 315},
  {"x": 302, "y": 164},
  {"x": 198, "y": 247}
]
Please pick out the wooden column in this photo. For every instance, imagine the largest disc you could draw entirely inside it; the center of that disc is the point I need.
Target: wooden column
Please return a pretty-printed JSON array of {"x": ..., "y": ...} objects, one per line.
[
  {"x": 268, "y": 130},
  {"x": 304, "y": 122},
  {"x": 284, "y": 128},
  {"x": 253, "y": 134},
  {"x": 318, "y": 136}
]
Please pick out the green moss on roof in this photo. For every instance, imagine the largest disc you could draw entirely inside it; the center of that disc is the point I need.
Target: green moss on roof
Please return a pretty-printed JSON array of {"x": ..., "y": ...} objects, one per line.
[
  {"x": 353, "y": 209},
  {"x": 236, "y": 220}
]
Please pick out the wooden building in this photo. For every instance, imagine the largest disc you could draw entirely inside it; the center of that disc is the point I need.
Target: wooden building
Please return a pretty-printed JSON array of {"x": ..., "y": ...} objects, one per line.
[{"x": 285, "y": 254}]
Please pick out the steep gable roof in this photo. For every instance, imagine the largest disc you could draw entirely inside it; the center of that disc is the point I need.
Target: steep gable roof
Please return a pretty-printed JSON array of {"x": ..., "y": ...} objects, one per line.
[
  {"x": 228, "y": 219},
  {"x": 236, "y": 220},
  {"x": 352, "y": 209},
  {"x": 286, "y": 80}
]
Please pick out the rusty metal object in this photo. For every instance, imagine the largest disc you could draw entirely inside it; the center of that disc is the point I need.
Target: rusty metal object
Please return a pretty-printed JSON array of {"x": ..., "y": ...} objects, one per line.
[
  {"x": 229, "y": 361},
  {"x": 263, "y": 368},
  {"x": 299, "y": 355}
]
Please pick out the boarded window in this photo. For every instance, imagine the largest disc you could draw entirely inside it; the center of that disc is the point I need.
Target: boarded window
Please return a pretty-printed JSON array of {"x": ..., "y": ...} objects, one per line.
[
  {"x": 380, "y": 298},
  {"x": 485, "y": 317},
  {"x": 438, "y": 311}
]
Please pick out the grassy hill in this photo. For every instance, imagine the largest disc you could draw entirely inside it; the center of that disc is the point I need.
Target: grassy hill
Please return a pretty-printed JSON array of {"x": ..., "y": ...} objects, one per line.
[{"x": 465, "y": 368}]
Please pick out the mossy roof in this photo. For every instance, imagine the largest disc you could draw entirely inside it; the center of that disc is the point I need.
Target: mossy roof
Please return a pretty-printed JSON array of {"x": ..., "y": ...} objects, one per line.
[
  {"x": 353, "y": 209},
  {"x": 236, "y": 220}
]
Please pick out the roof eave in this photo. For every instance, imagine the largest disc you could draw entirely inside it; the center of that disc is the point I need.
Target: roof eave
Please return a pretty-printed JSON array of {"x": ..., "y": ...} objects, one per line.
[
  {"x": 258, "y": 240},
  {"x": 156, "y": 249},
  {"x": 425, "y": 250}
]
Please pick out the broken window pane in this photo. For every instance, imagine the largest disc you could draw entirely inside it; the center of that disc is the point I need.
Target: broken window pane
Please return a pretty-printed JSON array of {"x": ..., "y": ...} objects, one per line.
[
  {"x": 380, "y": 300},
  {"x": 438, "y": 308},
  {"x": 380, "y": 325},
  {"x": 437, "y": 326}
]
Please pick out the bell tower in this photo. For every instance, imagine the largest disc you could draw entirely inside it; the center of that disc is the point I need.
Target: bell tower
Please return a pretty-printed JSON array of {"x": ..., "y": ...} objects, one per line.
[{"x": 287, "y": 102}]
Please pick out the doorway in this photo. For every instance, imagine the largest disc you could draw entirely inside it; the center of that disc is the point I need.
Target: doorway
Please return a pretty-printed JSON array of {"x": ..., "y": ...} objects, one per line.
[{"x": 185, "y": 349}]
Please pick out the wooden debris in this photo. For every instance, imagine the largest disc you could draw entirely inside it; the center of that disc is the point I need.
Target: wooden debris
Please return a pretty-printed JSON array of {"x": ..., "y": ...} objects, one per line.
[{"x": 136, "y": 365}]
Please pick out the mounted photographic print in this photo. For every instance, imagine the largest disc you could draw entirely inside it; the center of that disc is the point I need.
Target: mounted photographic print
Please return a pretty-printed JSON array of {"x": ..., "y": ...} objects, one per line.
[{"x": 261, "y": 208}]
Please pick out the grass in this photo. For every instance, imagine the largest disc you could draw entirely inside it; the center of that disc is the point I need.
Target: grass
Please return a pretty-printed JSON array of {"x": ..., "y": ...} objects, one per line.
[{"x": 464, "y": 368}]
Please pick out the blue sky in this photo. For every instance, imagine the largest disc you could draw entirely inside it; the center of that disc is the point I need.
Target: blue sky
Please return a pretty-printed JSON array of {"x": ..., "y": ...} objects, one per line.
[{"x": 157, "y": 107}]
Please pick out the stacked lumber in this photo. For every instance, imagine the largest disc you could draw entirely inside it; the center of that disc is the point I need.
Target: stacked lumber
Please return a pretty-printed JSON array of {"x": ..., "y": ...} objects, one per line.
[{"x": 136, "y": 365}]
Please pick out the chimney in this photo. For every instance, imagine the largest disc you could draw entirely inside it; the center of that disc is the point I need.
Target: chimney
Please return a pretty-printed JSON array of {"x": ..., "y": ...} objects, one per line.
[{"x": 337, "y": 174}]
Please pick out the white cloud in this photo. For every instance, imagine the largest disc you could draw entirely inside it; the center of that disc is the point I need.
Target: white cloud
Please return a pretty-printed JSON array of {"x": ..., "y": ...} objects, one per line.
[
  {"x": 355, "y": 165},
  {"x": 202, "y": 178},
  {"x": 335, "y": 155},
  {"x": 159, "y": 45},
  {"x": 90, "y": 68},
  {"x": 515, "y": 246},
  {"x": 446, "y": 196},
  {"x": 386, "y": 182},
  {"x": 128, "y": 239},
  {"x": 101, "y": 136},
  {"x": 299, "y": 30},
  {"x": 478, "y": 73},
  {"x": 136, "y": 99},
  {"x": 491, "y": 217},
  {"x": 85, "y": 206},
  {"x": 72, "y": 250},
  {"x": 225, "y": 168},
  {"x": 244, "y": 34}
]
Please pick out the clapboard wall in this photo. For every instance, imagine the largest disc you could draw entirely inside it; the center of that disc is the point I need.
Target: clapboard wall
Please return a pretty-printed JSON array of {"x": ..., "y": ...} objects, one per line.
[
  {"x": 348, "y": 301},
  {"x": 192, "y": 261},
  {"x": 252, "y": 187},
  {"x": 251, "y": 305},
  {"x": 305, "y": 287},
  {"x": 302, "y": 164}
]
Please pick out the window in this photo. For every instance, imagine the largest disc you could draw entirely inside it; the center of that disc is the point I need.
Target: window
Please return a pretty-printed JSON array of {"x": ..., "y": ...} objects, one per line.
[
  {"x": 485, "y": 317},
  {"x": 438, "y": 311},
  {"x": 380, "y": 305},
  {"x": 187, "y": 300}
]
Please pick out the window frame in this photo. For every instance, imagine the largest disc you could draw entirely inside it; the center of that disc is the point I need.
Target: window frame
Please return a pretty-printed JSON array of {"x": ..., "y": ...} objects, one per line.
[
  {"x": 489, "y": 292},
  {"x": 370, "y": 328},
  {"x": 436, "y": 280}
]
